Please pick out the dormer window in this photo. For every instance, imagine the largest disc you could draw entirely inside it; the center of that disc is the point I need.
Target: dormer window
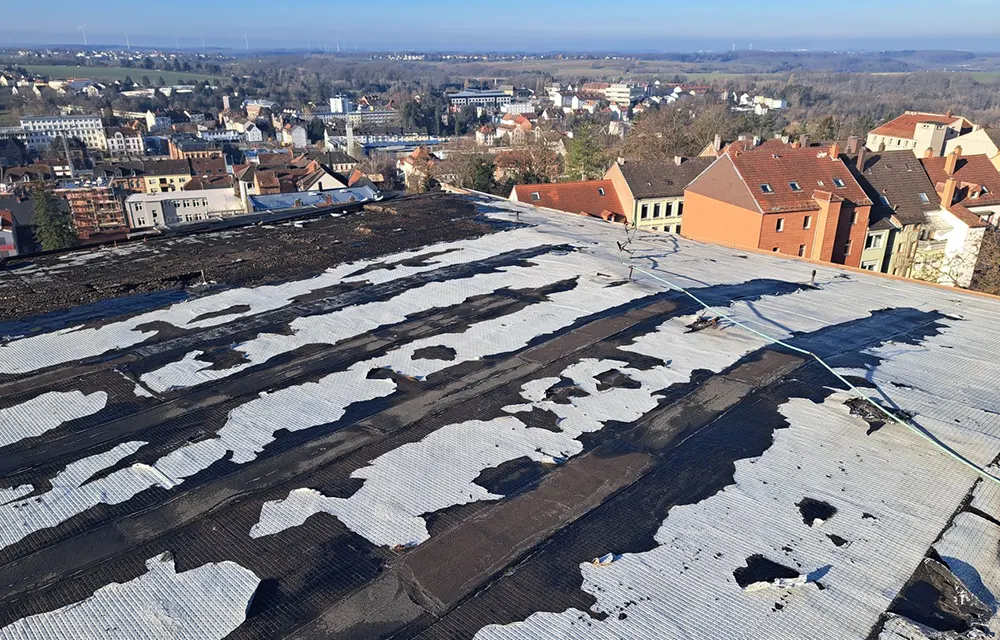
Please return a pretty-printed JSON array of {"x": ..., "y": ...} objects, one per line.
[
  {"x": 600, "y": 191},
  {"x": 839, "y": 183},
  {"x": 795, "y": 186},
  {"x": 766, "y": 188},
  {"x": 535, "y": 196}
]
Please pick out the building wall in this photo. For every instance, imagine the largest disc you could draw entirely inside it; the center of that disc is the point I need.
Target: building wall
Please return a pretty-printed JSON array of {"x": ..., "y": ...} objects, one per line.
[
  {"x": 8, "y": 235},
  {"x": 874, "y": 257},
  {"x": 793, "y": 235},
  {"x": 161, "y": 184},
  {"x": 874, "y": 143},
  {"x": 903, "y": 251},
  {"x": 617, "y": 178},
  {"x": 669, "y": 220},
  {"x": 711, "y": 220}
]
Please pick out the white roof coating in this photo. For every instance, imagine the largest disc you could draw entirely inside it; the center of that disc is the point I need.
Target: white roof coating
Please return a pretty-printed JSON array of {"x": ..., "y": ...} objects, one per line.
[
  {"x": 467, "y": 416},
  {"x": 204, "y": 603}
]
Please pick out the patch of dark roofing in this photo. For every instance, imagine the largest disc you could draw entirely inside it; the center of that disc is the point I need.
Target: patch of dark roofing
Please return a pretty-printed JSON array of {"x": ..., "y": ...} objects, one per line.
[
  {"x": 760, "y": 569},
  {"x": 662, "y": 179},
  {"x": 813, "y": 510},
  {"x": 936, "y": 598}
]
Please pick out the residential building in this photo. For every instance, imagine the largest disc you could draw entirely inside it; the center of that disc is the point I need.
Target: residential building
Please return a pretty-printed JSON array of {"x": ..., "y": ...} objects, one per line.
[
  {"x": 624, "y": 94},
  {"x": 518, "y": 108},
  {"x": 341, "y": 162},
  {"x": 652, "y": 194},
  {"x": 254, "y": 107},
  {"x": 168, "y": 209},
  {"x": 797, "y": 201},
  {"x": 95, "y": 207},
  {"x": 417, "y": 167},
  {"x": 918, "y": 132},
  {"x": 125, "y": 141},
  {"x": 183, "y": 148},
  {"x": 157, "y": 122},
  {"x": 13, "y": 177},
  {"x": 490, "y": 99},
  {"x": 8, "y": 234},
  {"x": 486, "y": 135},
  {"x": 594, "y": 198},
  {"x": 295, "y": 136},
  {"x": 340, "y": 104},
  {"x": 40, "y": 131},
  {"x": 164, "y": 176},
  {"x": 977, "y": 182},
  {"x": 982, "y": 141}
]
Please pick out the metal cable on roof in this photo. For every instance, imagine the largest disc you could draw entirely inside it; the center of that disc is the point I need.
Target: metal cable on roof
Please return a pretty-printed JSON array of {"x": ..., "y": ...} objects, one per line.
[{"x": 624, "y": 251}]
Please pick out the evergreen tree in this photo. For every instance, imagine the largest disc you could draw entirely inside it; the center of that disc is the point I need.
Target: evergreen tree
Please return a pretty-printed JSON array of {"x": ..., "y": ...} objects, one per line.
[{"x": 53, "y": 226}]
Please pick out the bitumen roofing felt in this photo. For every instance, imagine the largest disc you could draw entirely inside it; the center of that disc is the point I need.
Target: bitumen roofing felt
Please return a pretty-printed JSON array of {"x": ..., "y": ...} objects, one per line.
[{"x": 500, "y": 435}]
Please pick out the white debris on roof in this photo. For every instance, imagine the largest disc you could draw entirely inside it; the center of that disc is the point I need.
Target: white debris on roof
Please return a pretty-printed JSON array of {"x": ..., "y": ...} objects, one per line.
[
  {"x": 207, "y": 602},
  {"x": 74, "y": 343},
  {"x": 45, "y": 412},
  {"x": 887, "y": 488},
  {"x": 410, "y": 481},
  {"x": 969, "y": 549}
]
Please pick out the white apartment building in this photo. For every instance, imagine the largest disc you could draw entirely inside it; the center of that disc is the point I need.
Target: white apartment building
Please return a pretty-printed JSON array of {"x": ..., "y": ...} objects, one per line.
[
  {"x": 40, "y": 131},
  {"x": 623, "y": 94},
  {"x": 146, "y": 210},
  {"x": 124, "y": 141}
]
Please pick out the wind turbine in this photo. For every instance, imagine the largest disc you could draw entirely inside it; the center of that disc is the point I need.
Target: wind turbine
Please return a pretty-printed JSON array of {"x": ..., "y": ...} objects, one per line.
[
  {"x": 127, "y": 43},
  {"x": 177, "y": 43},
  {"x": 246, "y": 39},
  {"x": 83, "y": 28}
]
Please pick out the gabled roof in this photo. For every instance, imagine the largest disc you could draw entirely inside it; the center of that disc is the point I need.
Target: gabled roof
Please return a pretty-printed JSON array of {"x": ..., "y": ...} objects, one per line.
[
  {"x": 657, "y": 179},
  {"x": 167, "y": 167},
  {"x": 197, "y": 183},
  {"x": 905, "y": 125},
  {"x": 340, "y": 157},
  {"x": 592, "y": 197},
  {"x": 973, "y": 174},
  {"x": 898, "y": 177},
  {"x": 811, "y": 169}
]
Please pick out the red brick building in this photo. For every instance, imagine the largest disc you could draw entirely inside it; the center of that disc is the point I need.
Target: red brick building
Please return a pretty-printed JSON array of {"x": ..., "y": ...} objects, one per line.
[
  {"x": 595, "y": 198},
  {"x": 797, "y": 201}
]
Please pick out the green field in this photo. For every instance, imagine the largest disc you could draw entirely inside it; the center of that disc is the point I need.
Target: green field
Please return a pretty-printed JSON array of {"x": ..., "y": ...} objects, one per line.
[
  {"x": 609, "y": 69},
  {"x": 985, "y": 76},
  {"x": 110, "y": 74}
]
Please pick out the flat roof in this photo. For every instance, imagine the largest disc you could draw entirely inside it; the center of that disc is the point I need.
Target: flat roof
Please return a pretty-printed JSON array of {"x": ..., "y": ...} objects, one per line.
[{"x": 463, "y": 417}]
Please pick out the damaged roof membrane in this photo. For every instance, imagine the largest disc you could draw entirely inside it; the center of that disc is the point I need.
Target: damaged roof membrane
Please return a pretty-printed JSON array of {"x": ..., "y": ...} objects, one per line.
[{"x": 438, "y": 427}]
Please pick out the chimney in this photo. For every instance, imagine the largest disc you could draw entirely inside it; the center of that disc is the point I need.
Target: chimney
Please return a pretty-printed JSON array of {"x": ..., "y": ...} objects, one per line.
[
  {"x": 951, "y": 162},
  {"x": 835, "y": 150},
  {"x": 756, "y": 141},
  {"x": 717, "y": 143},
  {"x": 948, "y": 195},
  {"x": 804, "y": 141},
  {"x": 854, "y": 145},
  {"x": 948, "y": 114},
  {"x": 678, "y": 160},
  {"x": 929, "y": 152},
  {"x": 862, "y": 156},
  {"x": 796, "y": 144}
]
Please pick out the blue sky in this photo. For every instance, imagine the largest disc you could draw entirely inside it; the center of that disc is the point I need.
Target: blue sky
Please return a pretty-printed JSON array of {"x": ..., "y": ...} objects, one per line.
[{"x": 598, "y": 25}]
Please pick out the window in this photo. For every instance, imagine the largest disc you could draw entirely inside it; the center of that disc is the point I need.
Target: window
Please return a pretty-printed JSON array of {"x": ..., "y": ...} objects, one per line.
[
  {"x": 924, "y": 198},
  {"x": 795, "y": 186},
  {"x": 779, "y": 225},
  {"x": 678, "y": 208},
  {"x": 870, "y": 265},
  {"x": 854, "y": 218},
  {"x": 677, "y": 228},
  {"x": 535, "y": 196},
  {"x": 802, "y": 250},
  {"x": 873, "y": 242},
  {"x": 847, "y": 247},
  {"x": 766, "y": 188},
  {"x": 644, "y": 211},
  {"x": 600, "y": 191},
  {"x": 837, "y": 182},
  {"x": 775, "y": 249},
  {"x": 884, "y": 200},
  {"x": 807, "y": 222},
  {"x": 656, "y": 210}
]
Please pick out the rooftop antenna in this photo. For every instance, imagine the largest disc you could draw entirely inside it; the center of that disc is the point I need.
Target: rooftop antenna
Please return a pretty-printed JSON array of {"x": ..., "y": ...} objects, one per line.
[{"x": 83, "y": 28}]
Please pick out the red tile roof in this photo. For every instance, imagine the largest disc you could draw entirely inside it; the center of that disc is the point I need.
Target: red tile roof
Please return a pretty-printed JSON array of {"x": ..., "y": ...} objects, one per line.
[
  {"x": 967, "y": 216},
  {"x": 974, "y": 173},
  {"x": 573, "y": 197},
  {"x": 810, "y": 168},
  {"x": 905, "y": 125}
]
